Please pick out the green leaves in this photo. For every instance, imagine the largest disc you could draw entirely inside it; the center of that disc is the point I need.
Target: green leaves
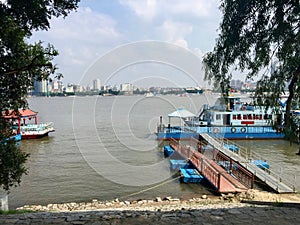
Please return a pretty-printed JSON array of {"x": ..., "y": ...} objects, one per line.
[
  {"x": 12, "y": 167},
  {"x": 254, "y": 34},
  {"x": 20, "y": 64}
]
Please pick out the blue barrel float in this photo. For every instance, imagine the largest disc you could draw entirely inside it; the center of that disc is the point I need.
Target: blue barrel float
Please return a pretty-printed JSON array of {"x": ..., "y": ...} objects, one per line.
[
  {"x": 261, "y": 164},
  {"x": 168, "y": 151},
  {"x": 190, "y": 176},
  {"x": 232, "y": 148},
  {"x": 177, "y": 164}
]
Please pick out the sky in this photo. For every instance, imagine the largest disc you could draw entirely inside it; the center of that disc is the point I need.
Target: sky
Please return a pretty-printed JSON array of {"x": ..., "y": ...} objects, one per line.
[{"x": 147, "y": 42}]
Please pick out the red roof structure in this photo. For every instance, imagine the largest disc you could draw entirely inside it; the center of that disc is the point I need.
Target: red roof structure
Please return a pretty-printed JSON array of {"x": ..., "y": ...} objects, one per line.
[{"x": 23, "y": 113}]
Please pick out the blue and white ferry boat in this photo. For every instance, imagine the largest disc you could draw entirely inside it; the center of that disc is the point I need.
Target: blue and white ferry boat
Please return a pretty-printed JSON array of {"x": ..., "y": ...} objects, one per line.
[{"x": 229, "y": 118}]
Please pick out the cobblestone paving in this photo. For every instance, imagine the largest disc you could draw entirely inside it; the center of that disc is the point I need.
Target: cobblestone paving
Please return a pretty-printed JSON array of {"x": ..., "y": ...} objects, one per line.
[{"x": 237, "y": 214}]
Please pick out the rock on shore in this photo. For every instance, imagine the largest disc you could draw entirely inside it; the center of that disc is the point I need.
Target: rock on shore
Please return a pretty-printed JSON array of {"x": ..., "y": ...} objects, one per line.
[
  {"x": 166, "y": 203},
  {"x": 225, "y": 209}
]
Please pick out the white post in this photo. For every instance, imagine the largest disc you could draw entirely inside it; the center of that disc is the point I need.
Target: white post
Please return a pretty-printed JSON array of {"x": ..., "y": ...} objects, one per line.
[{"x": 4, "y": 201}]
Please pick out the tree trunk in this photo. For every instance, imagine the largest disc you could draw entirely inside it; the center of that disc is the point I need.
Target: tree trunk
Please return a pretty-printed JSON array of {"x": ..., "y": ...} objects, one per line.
[
  {"x": 4, "y": 201},
  {"x": 290, "y": 98}
]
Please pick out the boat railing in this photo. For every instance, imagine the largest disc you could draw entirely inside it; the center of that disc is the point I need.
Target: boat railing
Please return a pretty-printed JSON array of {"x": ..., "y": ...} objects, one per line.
[
  {"x": 160, "y": 128},
  {"x": 37, "y": 127},
  {"x": 172, "y": 129},
  {"x": 215, "y": 130},
  {"x": 48, "y": 125}
]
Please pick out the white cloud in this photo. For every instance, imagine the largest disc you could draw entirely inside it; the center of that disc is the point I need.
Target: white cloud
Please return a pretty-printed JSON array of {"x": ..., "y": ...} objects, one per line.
[
  {"x": 146, "y": 9},
  {"x": 149, "y": 9},
  {"x": 198, "y": 8},
  {"x": 198, "y": 53},
  {"x": 84, "y": 25},
  {"x": 80, "y": 38},
  {"x": 96, "y": 28},
  {"x": 177, "y": 21},
  {"x": 175, "y": 32},
  {"x": 182, "y": 43}
]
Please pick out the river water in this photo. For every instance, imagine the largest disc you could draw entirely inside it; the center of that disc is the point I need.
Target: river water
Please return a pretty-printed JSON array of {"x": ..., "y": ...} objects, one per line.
[{"x": 105, "y": 148}]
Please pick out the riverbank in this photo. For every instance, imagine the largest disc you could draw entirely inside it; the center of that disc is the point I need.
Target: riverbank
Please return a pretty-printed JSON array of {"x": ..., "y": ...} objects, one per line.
[
  {"x": 165, "y": 203},
  {"x": 225, "y": 209}
]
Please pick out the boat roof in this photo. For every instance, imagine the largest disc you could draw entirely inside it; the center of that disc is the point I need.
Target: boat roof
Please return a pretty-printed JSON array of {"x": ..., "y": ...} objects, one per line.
[
  {"x": 22, "y": 114},
  {"x": 296, "y": 112},
  {"x": 181, "y": 113}
]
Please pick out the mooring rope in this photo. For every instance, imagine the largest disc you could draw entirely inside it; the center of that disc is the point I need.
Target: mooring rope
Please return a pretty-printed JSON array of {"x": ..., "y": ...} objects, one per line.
[{"x": 150, "y": 188}]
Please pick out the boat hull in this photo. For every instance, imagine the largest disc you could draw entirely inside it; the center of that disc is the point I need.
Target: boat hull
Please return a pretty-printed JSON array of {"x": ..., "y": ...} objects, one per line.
[
  {"x": 34, "y": 131},
  {"x": 254, "y": 136},
  {"x": 34, "y": 136},
  {"x": 15, "y": 137}
]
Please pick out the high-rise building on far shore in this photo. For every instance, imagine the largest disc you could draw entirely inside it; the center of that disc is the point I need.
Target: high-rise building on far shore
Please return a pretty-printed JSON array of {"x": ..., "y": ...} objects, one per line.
[
  {"x": 40, "y": 87},
  {"x": 96, "y": 85},
  {"x": 126, "y": 87}
]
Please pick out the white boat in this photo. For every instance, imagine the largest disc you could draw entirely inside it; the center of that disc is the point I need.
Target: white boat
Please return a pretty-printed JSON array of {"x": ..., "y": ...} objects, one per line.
[
  {"x": 149, "y": 94},
  {"x": 26, "y": 124},
  {"x": 232, "y": 119}
]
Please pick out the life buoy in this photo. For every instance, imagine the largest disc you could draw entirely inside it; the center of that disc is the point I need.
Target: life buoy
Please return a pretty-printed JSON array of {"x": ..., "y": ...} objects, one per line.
[
  {"x": 233, "y": 130},
  {"x": 216, "y": 130},
  {"x": 243, "y": 129}
]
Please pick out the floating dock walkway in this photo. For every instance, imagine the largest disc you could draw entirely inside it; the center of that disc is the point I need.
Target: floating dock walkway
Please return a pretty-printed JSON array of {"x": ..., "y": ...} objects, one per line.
[
  {"x": 214, "y": 173},
  {"x": 245, "y": 159}
]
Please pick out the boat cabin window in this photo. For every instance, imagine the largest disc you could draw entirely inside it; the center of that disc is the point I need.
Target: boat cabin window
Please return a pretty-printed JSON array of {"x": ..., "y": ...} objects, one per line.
[
  {"x": 267, "y": 117},
  {"x": 257, "y": 117},
  {"x": 234, "y": 117},
  {"x": 244, "y": 117},
  {"x": 239, "y": 117},
  {"x": 218, "y": 117}
]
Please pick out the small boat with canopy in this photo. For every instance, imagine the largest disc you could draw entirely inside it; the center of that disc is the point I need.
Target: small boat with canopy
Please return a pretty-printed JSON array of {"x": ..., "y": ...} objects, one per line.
[{"x": 25, "y": 122}]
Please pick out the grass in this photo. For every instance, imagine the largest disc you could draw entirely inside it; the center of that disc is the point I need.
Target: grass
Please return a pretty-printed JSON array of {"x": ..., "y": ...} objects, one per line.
[
  {"x": 278, "y": 204},
  {"x": 9, "y": 212}
]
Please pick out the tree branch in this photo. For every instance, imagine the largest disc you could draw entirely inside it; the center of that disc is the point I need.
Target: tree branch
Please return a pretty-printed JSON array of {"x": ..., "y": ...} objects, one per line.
[{"x": 26, "y": 68}]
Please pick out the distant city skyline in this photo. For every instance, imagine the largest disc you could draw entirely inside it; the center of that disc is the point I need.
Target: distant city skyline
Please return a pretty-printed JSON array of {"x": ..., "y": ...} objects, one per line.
[{"x": 57, "y": 87}]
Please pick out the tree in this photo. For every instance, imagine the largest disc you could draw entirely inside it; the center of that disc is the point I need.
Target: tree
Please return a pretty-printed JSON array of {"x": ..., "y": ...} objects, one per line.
[
  {"x": 253, "y": 35},
  {"x": 20, "y": 64},
  {"x": 11, "y": 165}
]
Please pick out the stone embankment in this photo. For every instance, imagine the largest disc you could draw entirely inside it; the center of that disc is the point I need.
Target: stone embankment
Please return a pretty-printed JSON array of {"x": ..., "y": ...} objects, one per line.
[{"x": 226, "y": 209}]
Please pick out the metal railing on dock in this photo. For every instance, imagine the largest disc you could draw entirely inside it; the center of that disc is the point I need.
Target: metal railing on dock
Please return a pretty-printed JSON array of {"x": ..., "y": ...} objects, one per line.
[
  {"x": 232, "y": 167},
  {"x": 216, "y": 175},
  {"x": 246, "y": 158}
]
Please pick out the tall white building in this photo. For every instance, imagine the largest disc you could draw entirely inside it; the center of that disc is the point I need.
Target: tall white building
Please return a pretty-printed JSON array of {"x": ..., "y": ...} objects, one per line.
[
  {"x": 126, "y": 87},
  {"x": 40, "y": 87},
  {"x": 69, "y": 88},
  {"x": 97, "y": 84},
  {"x": 55, "y": 85}
]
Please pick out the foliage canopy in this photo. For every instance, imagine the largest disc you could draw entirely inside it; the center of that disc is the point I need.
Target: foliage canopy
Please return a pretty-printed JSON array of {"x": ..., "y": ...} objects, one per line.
[
  {"x": 20, "y": 64},
  {"x": 254, "y": 35}
]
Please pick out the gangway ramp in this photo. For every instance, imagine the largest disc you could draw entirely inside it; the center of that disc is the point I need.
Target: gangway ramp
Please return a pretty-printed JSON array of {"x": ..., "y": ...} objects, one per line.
[
  {"x": 267, "y": 176},
  {"x": 215, "y": 174}
]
